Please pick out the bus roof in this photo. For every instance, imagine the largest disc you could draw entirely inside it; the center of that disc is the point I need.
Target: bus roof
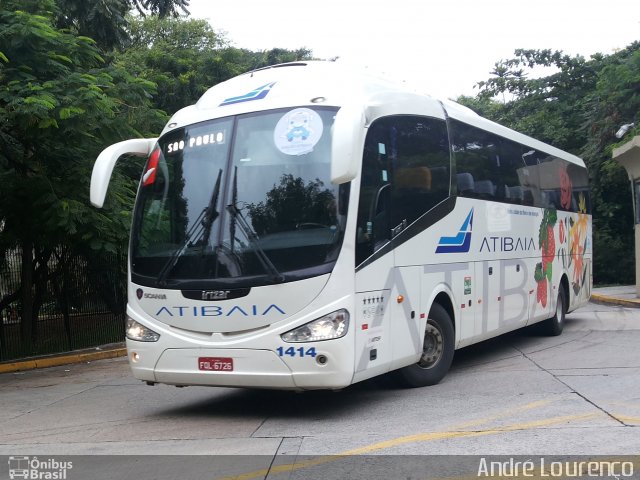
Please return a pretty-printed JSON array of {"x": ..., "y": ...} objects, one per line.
[{"x": 335, "y": 84}]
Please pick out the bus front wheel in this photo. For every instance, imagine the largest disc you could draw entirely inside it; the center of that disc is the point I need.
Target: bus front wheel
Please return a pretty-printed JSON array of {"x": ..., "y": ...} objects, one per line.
[{"x": 437, "y": 352}]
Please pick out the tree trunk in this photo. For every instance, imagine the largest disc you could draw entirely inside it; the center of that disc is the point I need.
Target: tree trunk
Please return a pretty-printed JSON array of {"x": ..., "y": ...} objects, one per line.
[
  {"x": 8, "y": 312},
  {"x": 26, "y": 281},
  {"x": 40, "y": 280}
]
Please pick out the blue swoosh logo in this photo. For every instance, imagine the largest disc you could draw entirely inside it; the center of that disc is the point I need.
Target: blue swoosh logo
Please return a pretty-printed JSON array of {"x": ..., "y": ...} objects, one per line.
[
  {"x": 256, "y": 94},
  {"x": 459, "y": 243}
]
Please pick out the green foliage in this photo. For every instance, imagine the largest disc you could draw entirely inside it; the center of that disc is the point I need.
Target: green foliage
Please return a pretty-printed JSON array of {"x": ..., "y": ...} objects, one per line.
[
  {"x": 175, "y": 55},
  {"x": 106, "y": 22},
  {"x": 184, "y": 57},
  {"x": 103, "y": 21},
  {"x": 161, "y": 8},
  {"x": 59, "y": 105},
  {"x": 578, "y": 107},
  {"x": 66, "y": 92},
  {"x": 614, "y": 101}
]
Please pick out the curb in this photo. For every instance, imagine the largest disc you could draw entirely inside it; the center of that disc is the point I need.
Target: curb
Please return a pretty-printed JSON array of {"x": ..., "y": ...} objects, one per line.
[
  {"x": 54, "y": 361},
  {"x": 621, "y": 302}
]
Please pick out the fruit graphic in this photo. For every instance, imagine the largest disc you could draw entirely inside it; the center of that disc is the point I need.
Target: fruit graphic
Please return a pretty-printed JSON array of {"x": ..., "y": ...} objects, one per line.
[
  {"x": 541, "y": 295},
  {"x": 547, "y": 240},
  {"x": 548, "y": 247}
]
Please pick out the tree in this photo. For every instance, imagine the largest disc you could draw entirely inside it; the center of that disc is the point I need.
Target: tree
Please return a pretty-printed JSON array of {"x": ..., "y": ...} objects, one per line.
[
  {"x": 161, "y": 8},
  {"x": 175, "y": 54},
  {"x": 185, "y": 57},
  {"x": 106, "y": 21},
  {"x": 103, "y": 21},
  {"x": 550, "y": 108},
  {"x": 59, "y": 106},
  {"x": 614, "y": 101},
  {"x": 577, "y": 108},
  {"x": 61, "y": 103}
]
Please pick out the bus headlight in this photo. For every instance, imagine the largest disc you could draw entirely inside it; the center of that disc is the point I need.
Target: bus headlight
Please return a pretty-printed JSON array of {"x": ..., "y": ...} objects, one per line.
[
  {"x": 333, "y": 325},
  {"x": 137, "y": 331}
]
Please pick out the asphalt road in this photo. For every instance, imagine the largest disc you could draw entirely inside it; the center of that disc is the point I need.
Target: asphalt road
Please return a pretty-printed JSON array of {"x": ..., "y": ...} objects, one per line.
[{"x": 520, "y": 394}]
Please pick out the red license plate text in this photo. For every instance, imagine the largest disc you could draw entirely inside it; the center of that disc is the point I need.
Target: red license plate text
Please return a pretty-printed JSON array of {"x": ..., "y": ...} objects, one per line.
[{"x": 215, "y": 364}]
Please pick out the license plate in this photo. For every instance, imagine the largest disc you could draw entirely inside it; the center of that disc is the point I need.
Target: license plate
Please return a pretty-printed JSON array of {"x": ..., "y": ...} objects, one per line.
[{"x": 215, "y": 364}]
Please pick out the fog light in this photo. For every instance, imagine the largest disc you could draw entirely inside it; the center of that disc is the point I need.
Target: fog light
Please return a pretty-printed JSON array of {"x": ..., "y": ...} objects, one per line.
[
  {"x": 135, "y": 357},
  {"x": 138, "y": 332}
]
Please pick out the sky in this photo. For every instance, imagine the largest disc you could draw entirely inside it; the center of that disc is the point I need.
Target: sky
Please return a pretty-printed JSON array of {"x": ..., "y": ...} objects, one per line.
[{"x": 440, "y": 47}]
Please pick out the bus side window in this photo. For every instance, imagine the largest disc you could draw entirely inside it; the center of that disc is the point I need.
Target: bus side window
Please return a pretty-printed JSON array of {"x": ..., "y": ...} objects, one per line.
[
  {"x": 476, "y": 152},
  {"x": 421, "y": 173},
  {"x": 580, "y": 182},
  {"x": 405, "y": 173},
  {"x": 511, "y": 172}
]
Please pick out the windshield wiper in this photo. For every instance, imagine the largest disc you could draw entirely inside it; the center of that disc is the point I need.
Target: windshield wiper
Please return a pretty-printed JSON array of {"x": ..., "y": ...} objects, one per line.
[
  {"x": 211, "y": 213},
  {"x": 238, "y": 219},
  {"x": 200, "y": 232}
]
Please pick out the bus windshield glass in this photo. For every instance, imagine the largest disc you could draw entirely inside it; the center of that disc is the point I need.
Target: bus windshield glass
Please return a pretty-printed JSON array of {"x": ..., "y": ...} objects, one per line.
[{"x": 239, "y": 201}]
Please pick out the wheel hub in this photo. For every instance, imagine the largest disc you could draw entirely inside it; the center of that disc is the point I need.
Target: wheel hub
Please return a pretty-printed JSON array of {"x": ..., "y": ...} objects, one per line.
[{"x": 432, "y": 348}]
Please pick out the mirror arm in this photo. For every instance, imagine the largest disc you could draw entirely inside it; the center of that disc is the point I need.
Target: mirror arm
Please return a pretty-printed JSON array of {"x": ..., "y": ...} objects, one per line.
[
  {"x": 103, "y": 167},
  {"x": 346, "y": 149}
]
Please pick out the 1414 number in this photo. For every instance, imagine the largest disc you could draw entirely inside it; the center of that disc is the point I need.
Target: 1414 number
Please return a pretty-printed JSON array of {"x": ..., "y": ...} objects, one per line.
[{"x": 297, "y": 352}]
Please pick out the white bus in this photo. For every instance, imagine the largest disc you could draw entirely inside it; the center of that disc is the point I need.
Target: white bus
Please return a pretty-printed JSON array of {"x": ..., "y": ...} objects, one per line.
[{"x": 307, "y": 227}]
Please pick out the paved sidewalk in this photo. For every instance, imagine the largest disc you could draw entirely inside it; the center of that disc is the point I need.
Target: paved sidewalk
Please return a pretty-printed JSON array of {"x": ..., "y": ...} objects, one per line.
[{"x": 623, "y": 296}]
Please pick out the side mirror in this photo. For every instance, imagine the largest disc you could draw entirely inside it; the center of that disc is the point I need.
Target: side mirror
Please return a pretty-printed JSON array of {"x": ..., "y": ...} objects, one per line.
[
  {"x": 346, "y": 149},
  {"x": 103, "y": 168}
]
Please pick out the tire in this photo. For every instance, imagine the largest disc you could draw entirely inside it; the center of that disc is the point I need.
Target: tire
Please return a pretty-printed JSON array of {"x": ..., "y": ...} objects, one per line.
[
  {"x": 554, "y": 325},
  {"x": 437, "y": 354}
]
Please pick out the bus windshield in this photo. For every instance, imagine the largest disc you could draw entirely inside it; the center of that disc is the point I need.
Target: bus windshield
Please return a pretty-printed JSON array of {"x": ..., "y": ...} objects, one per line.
[{"x": 239, "y": 202}]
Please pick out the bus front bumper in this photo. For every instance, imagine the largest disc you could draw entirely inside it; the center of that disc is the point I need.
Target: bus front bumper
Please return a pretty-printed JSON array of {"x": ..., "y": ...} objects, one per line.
[{"x": 251, "y": 368}]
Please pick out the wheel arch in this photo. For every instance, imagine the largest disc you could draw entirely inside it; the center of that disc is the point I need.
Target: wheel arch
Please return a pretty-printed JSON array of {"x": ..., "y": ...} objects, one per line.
[{"x": 444, "y": 300}]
